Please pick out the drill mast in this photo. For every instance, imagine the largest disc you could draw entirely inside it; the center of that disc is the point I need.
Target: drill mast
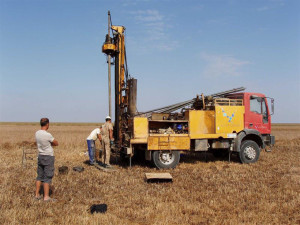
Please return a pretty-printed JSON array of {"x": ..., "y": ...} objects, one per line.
[{"x": 125, "y": 87}]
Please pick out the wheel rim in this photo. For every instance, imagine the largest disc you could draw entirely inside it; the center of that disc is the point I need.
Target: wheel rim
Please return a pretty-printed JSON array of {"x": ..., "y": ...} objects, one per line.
[
  {"x": 166, "y": 158},
  {"x": 250, "y": 153}
]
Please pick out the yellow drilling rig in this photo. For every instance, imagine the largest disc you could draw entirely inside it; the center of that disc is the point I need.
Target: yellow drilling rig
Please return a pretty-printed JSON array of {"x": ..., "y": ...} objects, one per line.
[{"x": 223, "y": 123}]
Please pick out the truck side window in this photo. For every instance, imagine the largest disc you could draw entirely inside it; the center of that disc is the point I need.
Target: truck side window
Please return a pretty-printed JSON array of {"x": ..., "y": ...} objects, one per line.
[{"x": 255, "y": 105}]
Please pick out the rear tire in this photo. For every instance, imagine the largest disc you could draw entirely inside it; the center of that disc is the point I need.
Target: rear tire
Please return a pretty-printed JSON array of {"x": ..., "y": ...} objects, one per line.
[
  {"x": 249, "y": 152},
  {"x": 166, "y": 159}
]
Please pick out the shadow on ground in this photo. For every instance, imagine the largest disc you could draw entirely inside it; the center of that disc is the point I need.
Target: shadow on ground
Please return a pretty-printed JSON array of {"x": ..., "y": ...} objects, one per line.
[{"x": 187, "y": 157}]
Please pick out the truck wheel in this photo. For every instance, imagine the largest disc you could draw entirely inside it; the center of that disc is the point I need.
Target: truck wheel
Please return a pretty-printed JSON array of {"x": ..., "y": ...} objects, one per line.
[
  {"x": 165, "y": 159},
  {"x": 249, "y": 152}
]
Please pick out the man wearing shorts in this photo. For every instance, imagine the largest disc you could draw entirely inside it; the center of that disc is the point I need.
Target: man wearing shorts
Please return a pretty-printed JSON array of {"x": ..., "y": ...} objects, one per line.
[{"x": 45, "y": 169}]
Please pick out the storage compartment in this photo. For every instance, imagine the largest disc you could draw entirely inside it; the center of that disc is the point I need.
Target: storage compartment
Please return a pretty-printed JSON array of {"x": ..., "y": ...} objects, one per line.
[
  {"x": 169, "y": 142},
  {"x": 168, "y": 127}
]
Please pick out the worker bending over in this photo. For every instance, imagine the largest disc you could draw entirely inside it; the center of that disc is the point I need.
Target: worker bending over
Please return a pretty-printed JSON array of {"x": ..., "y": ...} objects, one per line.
[
  {"x": 107, "y": 140},
  {"x": 94, "y": 135}
]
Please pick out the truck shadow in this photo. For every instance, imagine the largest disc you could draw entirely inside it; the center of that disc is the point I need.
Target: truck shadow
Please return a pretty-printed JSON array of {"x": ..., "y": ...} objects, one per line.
[
  {"x": 136, "y": 160},
  {"x": 206, "y": 157},
  {"x": 189, "y": 158}
]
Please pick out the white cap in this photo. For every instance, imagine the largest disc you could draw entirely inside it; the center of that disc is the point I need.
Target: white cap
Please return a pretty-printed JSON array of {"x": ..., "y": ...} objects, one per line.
[{"x": 108, "y": 118}]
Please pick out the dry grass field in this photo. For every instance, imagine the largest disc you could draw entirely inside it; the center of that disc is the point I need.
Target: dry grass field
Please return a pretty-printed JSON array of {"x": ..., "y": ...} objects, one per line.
[{"x": 212, "y": 192}]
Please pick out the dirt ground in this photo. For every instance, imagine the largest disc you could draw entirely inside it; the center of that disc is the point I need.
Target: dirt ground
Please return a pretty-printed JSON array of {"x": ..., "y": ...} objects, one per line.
[{"x": 212, "y": 192}]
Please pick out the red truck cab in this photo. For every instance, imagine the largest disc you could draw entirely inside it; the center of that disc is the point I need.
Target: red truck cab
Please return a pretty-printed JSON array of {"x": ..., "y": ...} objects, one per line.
[
  {"x": 257, "y": 120},
  {"x": 257, "y": 112}
]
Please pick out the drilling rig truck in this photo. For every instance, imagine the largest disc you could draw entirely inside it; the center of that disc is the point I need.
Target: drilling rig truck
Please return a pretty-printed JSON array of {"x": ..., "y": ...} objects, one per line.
[{"x": 227, "y": 122}]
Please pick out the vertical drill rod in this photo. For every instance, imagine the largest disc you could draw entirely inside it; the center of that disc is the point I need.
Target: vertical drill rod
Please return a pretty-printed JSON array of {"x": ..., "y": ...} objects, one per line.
[{"x": 109, "y": 71}]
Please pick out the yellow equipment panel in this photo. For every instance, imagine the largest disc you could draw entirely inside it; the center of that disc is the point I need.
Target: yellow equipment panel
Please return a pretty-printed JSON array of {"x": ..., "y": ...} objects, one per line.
[
  {"x": 229, "y": 119},
  {"x": 168, "y": 142},
  {"x": 201, "y": 122},
  {"x": 140, "y": 127}
]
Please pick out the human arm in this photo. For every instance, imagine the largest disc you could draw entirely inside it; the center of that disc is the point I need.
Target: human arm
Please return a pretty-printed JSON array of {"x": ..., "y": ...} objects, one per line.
[
  {"x": 99, "y": 137},
  {"x": 99, "y": 130},
  {"x": 111, "y": 135},
  {"x": 54, "y": 142}
]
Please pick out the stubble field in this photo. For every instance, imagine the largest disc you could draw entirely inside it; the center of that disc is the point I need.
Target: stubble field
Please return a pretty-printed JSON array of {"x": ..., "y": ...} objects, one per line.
[{"x": 212, "y": 192}]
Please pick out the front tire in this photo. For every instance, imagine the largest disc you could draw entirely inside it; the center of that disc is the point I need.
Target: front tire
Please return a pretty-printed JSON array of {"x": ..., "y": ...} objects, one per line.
[
  {"x": 249, "y": 152},
  {"x": 166, "y": 159}
]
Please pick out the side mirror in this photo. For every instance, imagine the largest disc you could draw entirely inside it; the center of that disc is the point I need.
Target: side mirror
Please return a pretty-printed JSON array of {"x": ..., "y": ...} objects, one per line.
[{"x": 272, "y": 102}]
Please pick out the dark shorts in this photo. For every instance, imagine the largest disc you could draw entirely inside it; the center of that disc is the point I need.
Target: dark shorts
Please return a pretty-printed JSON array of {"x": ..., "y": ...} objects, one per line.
[{"x": 45, "y": 169}]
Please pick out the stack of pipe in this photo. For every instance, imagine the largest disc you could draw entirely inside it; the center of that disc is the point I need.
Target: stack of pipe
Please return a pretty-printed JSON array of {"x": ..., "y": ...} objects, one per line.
[{"x": 174, "y": 107}]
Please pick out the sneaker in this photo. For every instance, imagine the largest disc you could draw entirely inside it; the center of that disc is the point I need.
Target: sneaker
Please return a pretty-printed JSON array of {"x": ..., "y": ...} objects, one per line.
[
  {"x": 108, "y": 166},
  {"x": 101, "y": 164}
]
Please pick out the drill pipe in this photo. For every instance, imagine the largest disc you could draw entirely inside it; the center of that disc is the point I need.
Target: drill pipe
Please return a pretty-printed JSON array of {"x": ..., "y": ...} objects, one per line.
[{"x": 174, "y": 107}]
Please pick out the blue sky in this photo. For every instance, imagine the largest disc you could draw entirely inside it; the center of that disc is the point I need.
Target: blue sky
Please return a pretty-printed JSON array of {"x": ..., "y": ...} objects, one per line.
[{"x": 51, "y": 62}]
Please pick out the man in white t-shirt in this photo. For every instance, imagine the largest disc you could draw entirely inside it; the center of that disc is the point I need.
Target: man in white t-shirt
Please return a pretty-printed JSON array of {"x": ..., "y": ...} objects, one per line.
[
  {"x": 94, "y": 135},
  {"x": 45, "y": 170}
]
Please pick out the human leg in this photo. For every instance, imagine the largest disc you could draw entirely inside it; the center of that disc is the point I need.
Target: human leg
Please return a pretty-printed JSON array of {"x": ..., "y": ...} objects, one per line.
[
  {"x": 46, "y": 191},
  {"x": 108, "y": 154},
  {"x": 94, "y": 150},
  {"x": 48, "y": 175},
  {"x": 38, "y": 187},
  {"x": 91, "y": 150},
  {"x": 106, "y": 151},
  {"x": 102, "y": 151},
  {"x": 39, "y": 178}
]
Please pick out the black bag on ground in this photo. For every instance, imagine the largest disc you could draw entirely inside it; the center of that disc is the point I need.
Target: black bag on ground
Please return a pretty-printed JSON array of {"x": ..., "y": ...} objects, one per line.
[{"x": 100, "y": 208}]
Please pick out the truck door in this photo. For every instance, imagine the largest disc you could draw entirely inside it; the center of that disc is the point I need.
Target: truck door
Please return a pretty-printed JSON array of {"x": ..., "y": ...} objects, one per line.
[
  {"x": 259, "y": 117},
  {"x": 266, "y": 117}
]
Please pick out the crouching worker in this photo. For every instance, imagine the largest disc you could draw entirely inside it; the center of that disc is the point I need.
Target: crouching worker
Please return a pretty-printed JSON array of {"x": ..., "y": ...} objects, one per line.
[
  {"x": 94, "y": 135},
  {"x": 107, "y": 140},
  {"x": 45, "y": 169}
]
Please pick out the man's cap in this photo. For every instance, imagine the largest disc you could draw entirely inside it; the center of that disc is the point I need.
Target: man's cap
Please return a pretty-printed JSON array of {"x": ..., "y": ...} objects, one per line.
[{"x": 108, "y": 118}]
